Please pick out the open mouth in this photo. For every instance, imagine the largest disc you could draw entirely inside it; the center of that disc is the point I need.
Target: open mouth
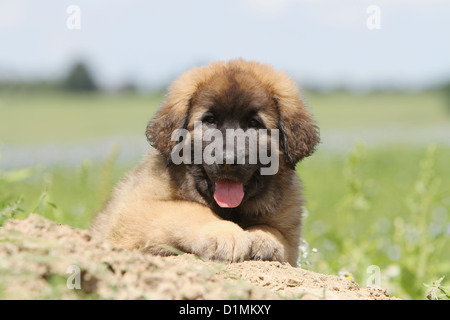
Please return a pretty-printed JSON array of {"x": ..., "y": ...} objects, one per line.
[{"x": 228, "y": 193}]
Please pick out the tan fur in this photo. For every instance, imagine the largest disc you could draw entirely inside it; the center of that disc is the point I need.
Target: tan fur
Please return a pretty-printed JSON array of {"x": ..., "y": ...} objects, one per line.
[{"x": 156, "y": 205}]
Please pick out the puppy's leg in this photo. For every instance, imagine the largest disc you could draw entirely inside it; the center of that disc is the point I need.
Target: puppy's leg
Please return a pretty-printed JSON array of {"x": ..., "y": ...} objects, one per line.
[
  {"x": 269, "y": 244},
  {"x": 186, "y": 226}
]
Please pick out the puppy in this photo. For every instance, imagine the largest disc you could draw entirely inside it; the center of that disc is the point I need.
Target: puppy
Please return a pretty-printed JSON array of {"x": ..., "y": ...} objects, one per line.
[{"x": 225, "y": 209}]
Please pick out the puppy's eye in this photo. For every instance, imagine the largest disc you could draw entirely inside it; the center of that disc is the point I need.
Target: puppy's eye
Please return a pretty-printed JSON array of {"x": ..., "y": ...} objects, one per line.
[
  {"x": 210, "y": 120},
  {"x": 254, "y": 123}
]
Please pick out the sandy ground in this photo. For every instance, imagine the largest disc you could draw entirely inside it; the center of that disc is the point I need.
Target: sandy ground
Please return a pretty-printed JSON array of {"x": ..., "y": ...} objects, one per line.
[{"x": 40, "y": 259}]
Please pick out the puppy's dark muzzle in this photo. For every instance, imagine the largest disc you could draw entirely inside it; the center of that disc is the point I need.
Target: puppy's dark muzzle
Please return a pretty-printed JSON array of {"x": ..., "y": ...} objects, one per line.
[
  {"x": 228, "y": 167},
  {"x": 230, "y": 164}
]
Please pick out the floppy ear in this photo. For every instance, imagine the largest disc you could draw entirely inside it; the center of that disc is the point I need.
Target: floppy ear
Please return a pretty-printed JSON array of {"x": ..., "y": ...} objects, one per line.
[
  {"x": 174, "y": 112},
  {"x": 299, "y": 134},
  {"x": 170, "y": 117}
]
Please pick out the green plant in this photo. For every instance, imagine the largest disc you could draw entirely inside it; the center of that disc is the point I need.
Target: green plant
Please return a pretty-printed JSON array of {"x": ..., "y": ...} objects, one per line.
[
  {"x": 380, "y": 206},
  {"x": 105, "y": 180},
  {"x": 354, "y": 207},
  {"x": 10, "y": 205},
  {"x": 10, "y": 209},
  {"x": 421, "y": 247},
  {"x": 357, "y": 199},
  {"x": 436, "y": 291}
]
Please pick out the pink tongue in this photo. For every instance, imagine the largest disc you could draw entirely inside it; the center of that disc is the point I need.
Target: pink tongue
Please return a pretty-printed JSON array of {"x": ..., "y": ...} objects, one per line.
[{"x": 228, "y": 194}]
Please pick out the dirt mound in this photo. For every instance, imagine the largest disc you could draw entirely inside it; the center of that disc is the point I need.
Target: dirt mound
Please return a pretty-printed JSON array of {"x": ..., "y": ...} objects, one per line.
[{"x": 40, "y": 259}]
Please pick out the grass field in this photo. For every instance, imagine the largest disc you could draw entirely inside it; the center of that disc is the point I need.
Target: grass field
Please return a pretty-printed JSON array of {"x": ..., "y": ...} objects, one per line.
[
  {"x": 60, "y": 117},
  {"x": 29, "y": 118},
  {"x": 381, "y": 199}
]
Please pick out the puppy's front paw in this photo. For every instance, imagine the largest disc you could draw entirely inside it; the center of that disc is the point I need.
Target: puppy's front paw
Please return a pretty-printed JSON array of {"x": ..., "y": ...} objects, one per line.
[
  {"x": 223, "y": 241},
  {"x": 266, "y": 246}
]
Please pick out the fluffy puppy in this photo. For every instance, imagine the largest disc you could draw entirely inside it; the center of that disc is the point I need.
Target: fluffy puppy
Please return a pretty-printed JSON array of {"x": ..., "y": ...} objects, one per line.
[{"x": 222, "y": 210}]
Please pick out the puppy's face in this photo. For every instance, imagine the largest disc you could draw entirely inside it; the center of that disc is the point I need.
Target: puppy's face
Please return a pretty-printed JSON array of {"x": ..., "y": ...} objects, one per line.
[
  {"x": 243, "y": 97},
  {"x": 237, "y": 107}
]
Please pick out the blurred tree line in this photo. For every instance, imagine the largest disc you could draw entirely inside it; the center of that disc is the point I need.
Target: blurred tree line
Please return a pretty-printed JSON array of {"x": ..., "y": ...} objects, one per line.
[
  {"x": 80, "y": 79},
  {"x": 446, "y": 90}
]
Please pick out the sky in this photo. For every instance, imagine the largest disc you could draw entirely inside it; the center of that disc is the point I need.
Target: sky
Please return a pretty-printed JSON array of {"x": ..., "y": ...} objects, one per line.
[{"x": 325, "y": 43}]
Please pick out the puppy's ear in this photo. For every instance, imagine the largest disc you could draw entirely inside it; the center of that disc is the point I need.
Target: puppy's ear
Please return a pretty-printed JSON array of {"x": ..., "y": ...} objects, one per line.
[
  {"x": 174, "y": 112},
  {"x": 299, "y": 134},
  {"x": 170, "y": 117}
]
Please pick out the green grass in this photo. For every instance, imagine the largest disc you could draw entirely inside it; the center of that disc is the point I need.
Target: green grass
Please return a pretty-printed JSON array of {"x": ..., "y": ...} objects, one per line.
[
  {"x": 32, "y": 118},
  {"x": 64, "y": 194},
  {"x": 387, "y": 206},
  {"x": 36, "y": 117},
  {"x": 348, "y": 111}
]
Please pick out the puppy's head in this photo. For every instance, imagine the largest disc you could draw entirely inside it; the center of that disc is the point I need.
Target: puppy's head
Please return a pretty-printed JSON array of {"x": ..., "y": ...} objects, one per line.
[{"x": 246, "y": 98}]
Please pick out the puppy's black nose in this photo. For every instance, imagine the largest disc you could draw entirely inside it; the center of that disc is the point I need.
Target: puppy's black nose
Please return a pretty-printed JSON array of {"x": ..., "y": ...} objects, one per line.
[
  {"x": 227, "y": 167},
  {"x": 229, "y": 162}
]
